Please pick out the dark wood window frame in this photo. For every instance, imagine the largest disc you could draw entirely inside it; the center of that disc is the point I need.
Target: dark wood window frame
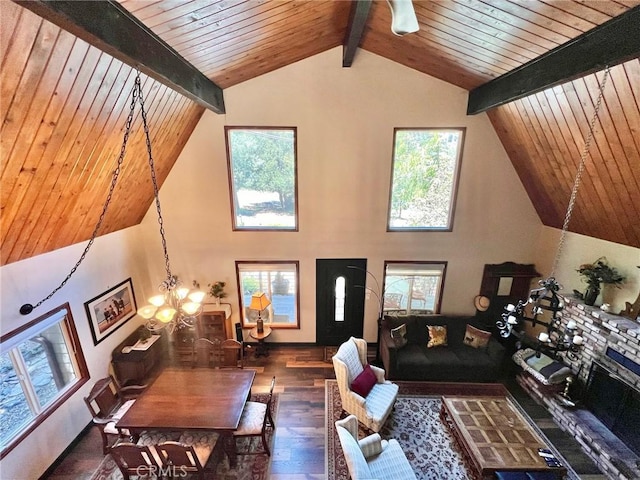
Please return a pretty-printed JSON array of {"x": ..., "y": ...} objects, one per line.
[
  {"x": 232, "y": 190},
  {"x": 83, "y": 372},
  {"x": 274, "y": 325},
  {"x": 454, "y": 187}
]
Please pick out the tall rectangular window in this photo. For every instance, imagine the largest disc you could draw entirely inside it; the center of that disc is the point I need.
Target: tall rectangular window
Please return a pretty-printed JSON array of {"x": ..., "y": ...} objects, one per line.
[
  {"x": 262, "y": 173},
  {"x": 41, "y": 365},
  {"x": 279, "y": 282},
  {"x": 413, "y": 287},
  {"x": 426, "y": 165}
]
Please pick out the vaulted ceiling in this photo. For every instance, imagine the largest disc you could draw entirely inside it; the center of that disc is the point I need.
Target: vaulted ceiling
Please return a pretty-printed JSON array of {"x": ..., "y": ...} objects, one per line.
[{"x": 64, "y": 102}]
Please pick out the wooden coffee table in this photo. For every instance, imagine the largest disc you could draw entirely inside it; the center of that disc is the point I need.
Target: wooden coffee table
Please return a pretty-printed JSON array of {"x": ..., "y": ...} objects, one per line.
[{"x": 494, "y": 436}]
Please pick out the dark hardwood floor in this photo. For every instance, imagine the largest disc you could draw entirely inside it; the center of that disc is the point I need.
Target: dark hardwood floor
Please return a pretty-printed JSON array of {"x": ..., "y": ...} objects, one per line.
[{"x": 299, "y": 449}]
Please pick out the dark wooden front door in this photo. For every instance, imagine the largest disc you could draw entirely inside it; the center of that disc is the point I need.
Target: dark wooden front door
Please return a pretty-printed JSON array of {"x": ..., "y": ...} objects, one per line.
[{"x": 339, "y": 314}]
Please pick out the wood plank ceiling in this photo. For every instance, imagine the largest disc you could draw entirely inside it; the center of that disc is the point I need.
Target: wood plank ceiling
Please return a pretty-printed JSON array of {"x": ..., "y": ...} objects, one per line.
[{"x": 63, "y": 104}]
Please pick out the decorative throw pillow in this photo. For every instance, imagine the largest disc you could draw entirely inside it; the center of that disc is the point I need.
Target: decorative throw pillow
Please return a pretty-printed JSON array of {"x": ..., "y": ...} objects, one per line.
[
  {"x": 399, "y": 335},
  {"x": 437, "y": 336},
  {"x": 476, "y": 338},
  {"x": 364, "y": 382}
]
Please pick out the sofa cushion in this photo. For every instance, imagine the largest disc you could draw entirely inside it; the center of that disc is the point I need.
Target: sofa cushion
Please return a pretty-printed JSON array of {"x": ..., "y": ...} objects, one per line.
[
  {"x": 399, "y": 335},
  {"x": 364, "y": 382},
  {"x": 437, "y": 336},
  {"x": 476, "y": 338}
]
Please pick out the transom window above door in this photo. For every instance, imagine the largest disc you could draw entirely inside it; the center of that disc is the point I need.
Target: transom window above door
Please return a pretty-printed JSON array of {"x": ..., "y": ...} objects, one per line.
[
  {"x": 262, "y": 164},
  {"x": 278, "y": 281},
  {"x": 426, "y": 168},
  {"x": 413, "y": 287}
]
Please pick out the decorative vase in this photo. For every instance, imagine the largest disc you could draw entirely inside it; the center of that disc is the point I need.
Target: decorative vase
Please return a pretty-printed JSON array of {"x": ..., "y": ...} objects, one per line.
[
  {"x": 217, "y": 301},
  {"x": 591, "y": 294}
]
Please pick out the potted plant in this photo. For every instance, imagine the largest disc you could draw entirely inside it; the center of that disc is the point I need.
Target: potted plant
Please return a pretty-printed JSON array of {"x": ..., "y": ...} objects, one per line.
[
  {"x": 216, "y": 290},
  {"x": 595, "y": 274}
]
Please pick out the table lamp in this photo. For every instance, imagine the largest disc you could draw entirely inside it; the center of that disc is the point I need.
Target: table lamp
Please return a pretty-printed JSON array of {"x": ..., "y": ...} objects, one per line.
[{"x": 259, "y": 302}]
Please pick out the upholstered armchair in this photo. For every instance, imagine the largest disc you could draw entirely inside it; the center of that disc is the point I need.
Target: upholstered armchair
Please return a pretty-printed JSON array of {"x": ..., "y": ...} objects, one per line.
[
  {"x": 364, "y": 392},
  {"x": 372, "y": 457}
]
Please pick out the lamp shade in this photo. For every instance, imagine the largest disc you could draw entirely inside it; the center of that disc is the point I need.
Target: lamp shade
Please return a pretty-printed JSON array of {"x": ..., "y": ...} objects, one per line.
[
  {"x": 259, "y": 301},
  {"x": 147, "y": 312}
]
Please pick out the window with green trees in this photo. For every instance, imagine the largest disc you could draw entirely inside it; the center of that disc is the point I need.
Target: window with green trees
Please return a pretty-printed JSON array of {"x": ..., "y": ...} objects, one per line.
[
  {"x": 426, "y": 164},
  {"x": 262, "y": 166}
]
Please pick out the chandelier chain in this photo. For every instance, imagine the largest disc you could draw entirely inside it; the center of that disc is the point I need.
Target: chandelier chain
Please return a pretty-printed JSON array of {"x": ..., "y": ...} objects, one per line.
[
  {"x": 578, "y": 179},
  {"x": 105, "y": 207},
  {"x": 154, "y": 180}
]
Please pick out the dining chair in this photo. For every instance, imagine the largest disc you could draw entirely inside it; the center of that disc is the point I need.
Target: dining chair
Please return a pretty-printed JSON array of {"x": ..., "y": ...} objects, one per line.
[
  {"x": 188, "y": 458},
  {"x": 107, "y": 403},
  {"x": 256, "y": 418},
  {"x": 231, "y": 354},
  {"x": 133, "y": 459},
  {"x": 246, "y": 348}
]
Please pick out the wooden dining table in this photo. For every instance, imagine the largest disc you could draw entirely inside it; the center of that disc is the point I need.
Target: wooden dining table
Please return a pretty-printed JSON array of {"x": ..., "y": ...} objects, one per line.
[{"x": 193, "y": 399}]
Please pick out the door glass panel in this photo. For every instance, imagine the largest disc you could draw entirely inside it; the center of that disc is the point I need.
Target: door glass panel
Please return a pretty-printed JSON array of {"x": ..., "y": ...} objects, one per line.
[{"x": 339, "y": 297}]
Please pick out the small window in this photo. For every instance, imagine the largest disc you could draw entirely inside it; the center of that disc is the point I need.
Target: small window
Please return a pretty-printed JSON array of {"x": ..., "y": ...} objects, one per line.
[
  {"x": 262, "y": 173},
  {"x": 426, "y": 165},
  {"x": 413, "y": 287},
  {"x": 41, "y": 366},
  {"x": 340, "y": 294},
  {"x": 279, "y": 282}
]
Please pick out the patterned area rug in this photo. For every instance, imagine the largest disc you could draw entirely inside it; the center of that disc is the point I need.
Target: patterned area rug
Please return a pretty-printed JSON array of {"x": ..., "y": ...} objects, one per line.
[
  {"x": 250, "y": 467},
  {"x": 415, "y": 423}
]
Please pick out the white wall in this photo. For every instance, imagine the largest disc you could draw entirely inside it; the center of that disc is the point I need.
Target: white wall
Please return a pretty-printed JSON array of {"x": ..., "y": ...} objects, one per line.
[
  {"x": 112, "y": 259},
  {"x": 345, "y": 119},
  {"x": 579, "y": 249}
]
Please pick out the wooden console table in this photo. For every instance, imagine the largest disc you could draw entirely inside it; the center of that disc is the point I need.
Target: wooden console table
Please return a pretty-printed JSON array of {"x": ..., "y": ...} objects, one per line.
[{"x": 494, "y": 436}]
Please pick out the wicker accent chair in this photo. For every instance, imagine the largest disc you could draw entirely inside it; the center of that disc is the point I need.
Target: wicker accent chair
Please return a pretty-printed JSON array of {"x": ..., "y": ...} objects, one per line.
[
  {"x": 372, "y": 457},
  {"x": 373, "y": 409}
]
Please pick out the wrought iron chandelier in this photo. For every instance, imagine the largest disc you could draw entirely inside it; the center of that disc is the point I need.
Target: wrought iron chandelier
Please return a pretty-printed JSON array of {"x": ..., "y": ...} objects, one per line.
[
  {"x": 544, "y": 305},
  {"x": 176, "y": 306}
]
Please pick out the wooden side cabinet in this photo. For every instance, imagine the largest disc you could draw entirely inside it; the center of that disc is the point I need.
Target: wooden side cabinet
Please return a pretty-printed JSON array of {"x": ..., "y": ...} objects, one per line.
[
  {"x": 136, "y": 366},
  {"x": 212, "y": 323}
]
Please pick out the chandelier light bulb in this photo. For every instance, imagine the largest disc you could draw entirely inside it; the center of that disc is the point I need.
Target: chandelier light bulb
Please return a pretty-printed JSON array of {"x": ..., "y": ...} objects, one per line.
[
  {"x": 197, "y": 296},
  {"x": 182, "y": 292},
  {"x": 512, "y": 320},
  {"x": 166, "y": 314},
  {"x": 157, "y": 300},
  {"x": 543, "y": 337},
  {"x": 577, "y": 340},
  {"x": 147, "y": 312},
  {"x": 190, "y": 308}
]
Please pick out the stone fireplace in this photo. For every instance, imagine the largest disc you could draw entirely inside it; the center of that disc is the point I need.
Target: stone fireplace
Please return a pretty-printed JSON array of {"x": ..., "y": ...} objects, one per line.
[{"x": 607, "y": 422}]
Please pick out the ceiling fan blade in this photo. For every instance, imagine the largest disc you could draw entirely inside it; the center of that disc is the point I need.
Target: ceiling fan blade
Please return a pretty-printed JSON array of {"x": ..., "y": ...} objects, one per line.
[{"x": 403, "y": 17}]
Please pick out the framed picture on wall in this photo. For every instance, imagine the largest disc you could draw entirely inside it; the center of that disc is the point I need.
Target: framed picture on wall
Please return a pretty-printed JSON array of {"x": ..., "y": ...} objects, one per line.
[{"x": 110, "y": 310}]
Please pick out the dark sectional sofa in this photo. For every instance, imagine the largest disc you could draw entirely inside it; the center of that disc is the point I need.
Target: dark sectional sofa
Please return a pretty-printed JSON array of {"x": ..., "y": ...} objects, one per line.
[{"x": 456, "y": 362}]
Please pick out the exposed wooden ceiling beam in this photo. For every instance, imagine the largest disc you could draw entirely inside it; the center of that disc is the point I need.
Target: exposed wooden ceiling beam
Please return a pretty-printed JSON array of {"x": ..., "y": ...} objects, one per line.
[
  {"x": 108, "y": 26},
  {"x": 609, "y": 44},
  {"x": 357, "y": 20}
]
